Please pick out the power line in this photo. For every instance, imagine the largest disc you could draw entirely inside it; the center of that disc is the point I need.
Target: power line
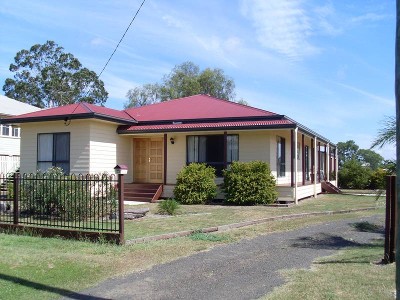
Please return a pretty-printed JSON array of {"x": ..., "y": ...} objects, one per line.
[
  {"x": 133, "y": 19},
  {"x": 116, "y": 47}
]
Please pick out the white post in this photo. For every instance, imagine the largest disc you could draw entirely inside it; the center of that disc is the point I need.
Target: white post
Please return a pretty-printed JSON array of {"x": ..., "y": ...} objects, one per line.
[
  {"x": 328, "y": 161},
  {"x": 337, "y": 167},
  {"x": 315, "y": 166},
  {"x": 296, "y": 200}
]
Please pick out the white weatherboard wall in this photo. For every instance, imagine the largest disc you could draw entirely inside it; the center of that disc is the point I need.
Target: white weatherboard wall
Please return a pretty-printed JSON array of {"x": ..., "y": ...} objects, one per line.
[
  {"x": 107, "y": 149},
  {"x": 9, "y": 145},
  {"x": 79, "y": 143}
]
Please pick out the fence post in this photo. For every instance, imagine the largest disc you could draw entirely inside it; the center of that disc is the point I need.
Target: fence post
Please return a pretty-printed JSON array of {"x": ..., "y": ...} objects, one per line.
[
  {"x": 16, "y": 181},
  {"x": 390, "y": 227},
  {"x": 393, "y": 217},
  {"x": 121, "y": 216}
]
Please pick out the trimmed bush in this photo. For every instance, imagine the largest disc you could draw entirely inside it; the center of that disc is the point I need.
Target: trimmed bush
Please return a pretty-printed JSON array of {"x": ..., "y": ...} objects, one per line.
[
  {"x": 195, "y": 184},
  {"x": 249, "y": 183}
]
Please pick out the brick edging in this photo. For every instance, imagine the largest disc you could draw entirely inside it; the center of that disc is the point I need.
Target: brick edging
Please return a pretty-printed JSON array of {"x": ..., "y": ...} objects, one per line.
[{"x": 227, "y": 227}]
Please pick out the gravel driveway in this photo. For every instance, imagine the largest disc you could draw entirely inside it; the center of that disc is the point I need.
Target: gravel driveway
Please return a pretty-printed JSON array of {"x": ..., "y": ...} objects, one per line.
[{"x": 247, "y": 269}]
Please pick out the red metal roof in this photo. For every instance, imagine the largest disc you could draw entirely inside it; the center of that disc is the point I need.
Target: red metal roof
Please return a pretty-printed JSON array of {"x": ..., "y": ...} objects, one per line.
[
  {"x": 209, "y": 125},
  {"x": 195, "y": 107},
  {"x": 81, "y": 110}
]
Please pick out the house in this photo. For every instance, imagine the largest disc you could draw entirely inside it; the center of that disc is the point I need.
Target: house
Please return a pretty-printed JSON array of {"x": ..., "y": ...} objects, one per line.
[
  {"x": 10, "y": 134},
  {"x": 156, "y": 141}
]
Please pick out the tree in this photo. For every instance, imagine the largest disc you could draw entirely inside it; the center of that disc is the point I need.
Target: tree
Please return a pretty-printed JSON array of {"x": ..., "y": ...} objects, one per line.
[
  {"x": 46, "y": 76},
  {"x": 147, "y": 94},
  {"x": 353, "y": 175},
  {"x": 370, "y": 158},
  {"x": 184, "y": 80},
  {"x": 386, "y": 134},
  {"x": 346, "y": 151}
]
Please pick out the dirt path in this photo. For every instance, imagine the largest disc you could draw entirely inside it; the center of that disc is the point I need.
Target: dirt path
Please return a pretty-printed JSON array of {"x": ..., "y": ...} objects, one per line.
[{"x": 248, "y": 269}]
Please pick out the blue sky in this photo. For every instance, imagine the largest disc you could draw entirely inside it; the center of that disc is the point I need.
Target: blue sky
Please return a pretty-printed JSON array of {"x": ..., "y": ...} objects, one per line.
[{"x": 326, "y": 64}]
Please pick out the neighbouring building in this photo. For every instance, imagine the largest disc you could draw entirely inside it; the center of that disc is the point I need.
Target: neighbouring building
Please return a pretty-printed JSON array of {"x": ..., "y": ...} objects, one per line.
[{"x": 10, "y": 134}]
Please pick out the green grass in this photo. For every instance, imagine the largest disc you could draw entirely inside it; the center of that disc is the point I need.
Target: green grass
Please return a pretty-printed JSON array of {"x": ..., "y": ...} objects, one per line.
[
  {"x": 192, "y": 217},
  {"x": 47, "y": 268},
  {"x": 352, "y": 274}
]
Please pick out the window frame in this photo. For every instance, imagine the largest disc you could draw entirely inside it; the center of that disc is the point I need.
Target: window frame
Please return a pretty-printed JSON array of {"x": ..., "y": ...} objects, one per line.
[
  {"x": 231, "y": 139},
  {"x": 55, "y": 161},
  {"x": 280, "y": 157}
]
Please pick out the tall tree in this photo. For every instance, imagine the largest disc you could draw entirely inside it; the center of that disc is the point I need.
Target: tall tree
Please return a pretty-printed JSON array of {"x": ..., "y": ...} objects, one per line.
[
  {"x": 386, "y": 134},
  {"x": 370, "y": 158},
  {"x": 46, "y": 76},
  {"x": 347, "y": 151},
  {"x": 184, "y": 80},
  {"x": 147, "y": 94}
]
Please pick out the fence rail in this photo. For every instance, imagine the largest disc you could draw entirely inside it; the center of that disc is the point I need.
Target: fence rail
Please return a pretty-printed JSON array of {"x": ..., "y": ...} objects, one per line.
[{"x": 76, "y": 204}]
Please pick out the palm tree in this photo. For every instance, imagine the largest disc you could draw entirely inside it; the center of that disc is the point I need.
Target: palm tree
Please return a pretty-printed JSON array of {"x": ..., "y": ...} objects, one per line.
[{"x": 387, "y": 134}]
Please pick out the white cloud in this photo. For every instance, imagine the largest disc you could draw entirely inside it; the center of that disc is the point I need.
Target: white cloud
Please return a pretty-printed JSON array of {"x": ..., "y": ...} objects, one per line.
[
  {"x": 368, "y": 17},
  {"x": 173, "y": 22},
  {"x": 282, "y": 26},
  {"x": 376, "y": 98},
  {"x": 97, "y": 41}
]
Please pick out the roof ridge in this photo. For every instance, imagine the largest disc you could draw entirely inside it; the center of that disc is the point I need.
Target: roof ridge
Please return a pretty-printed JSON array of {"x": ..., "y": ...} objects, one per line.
[{"x": 84, "y": 104}]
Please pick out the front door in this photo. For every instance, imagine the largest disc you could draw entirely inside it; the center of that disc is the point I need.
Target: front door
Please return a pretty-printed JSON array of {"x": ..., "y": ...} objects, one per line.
[{"x": 148, "y": 160}]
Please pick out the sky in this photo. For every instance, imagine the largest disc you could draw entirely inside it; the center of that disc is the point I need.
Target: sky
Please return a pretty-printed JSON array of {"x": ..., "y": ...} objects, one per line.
[{"x": 328, "y": 64}]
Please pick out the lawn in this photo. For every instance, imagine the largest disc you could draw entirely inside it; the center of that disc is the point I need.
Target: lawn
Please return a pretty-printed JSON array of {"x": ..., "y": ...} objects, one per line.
[
  {"x": 193, "y": 217},
  {"x": 352, "y": 274},
  {"x": 39, "y": 268}
]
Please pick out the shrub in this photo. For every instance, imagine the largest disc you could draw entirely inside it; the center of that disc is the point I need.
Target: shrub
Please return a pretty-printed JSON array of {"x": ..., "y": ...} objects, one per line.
[
  {"x": 353, "y": 175},
  {"x": 52, "y": 194},
  {"x": 378, "y": 179},
  {"x": 249, "y": 183},
  {"x": 168, "y": 207},
  {"x": 195, "y": 184}
]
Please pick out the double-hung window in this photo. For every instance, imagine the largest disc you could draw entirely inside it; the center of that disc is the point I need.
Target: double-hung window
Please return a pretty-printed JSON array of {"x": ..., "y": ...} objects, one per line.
[
  {"x": 53, "y": 151},
  {"x": 280, "y": 157},
  {"x": 210, "y": 149}
]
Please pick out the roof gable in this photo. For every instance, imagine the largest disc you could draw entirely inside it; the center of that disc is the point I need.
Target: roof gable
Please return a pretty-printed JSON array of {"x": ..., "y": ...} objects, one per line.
[{"x": 195, "y": 108}]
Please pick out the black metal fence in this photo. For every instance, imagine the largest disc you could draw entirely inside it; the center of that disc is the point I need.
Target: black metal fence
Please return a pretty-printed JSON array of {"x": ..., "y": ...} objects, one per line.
[{"x": 77, "y": 205}]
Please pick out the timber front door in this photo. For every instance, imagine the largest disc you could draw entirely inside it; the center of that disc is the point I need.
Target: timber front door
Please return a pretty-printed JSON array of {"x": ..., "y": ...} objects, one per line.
[{"x": 148, "y": 160}]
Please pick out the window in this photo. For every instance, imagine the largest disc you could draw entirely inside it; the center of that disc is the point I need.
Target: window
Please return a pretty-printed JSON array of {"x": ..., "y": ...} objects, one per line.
[
  {"x": 280, "y": 161},
  {"x": 15, "y": 131},
  {"x": 307, "y": 162},
  {"x": 53, "y": 151},
  {"x": 5, "y": 130},
  {"x": 209, "y": 149}
]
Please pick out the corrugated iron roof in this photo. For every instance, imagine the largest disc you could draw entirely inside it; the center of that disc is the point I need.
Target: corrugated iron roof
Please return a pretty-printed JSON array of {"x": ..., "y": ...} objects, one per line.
[
  {"x": 194, "y": 108},
  {"x": 79, "y": 110},
  {"x": 208, "y": 125}
]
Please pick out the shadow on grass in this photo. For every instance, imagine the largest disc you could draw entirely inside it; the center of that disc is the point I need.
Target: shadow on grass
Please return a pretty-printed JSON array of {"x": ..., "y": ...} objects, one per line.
[
  {"x": 368, "y": 227},
  {"x": 47, "y": 288}
]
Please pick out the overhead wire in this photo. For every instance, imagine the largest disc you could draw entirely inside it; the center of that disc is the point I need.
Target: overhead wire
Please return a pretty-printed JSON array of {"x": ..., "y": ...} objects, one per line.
[{"x": 116, "y": 47}]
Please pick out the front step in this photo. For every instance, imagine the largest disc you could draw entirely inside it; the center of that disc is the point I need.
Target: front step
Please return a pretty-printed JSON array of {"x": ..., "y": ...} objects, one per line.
[
  {"x": 330, "y": 188},
  {"x": 142, "y": 192}
]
